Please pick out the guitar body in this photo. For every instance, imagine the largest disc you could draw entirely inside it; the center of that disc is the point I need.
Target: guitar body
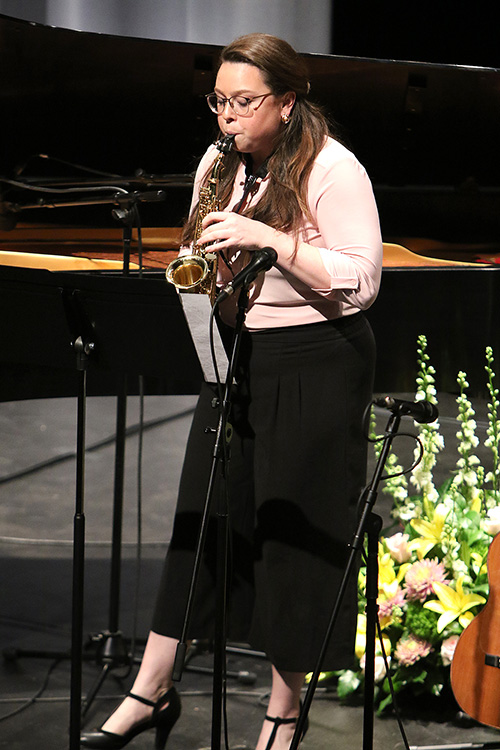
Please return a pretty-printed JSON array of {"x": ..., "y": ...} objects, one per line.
[{"x": 475, "y": 683}]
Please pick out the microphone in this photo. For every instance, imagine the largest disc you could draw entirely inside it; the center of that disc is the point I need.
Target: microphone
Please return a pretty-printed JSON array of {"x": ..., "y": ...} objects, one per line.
[
  {"x": 421, "y": 411},
  {"x": 262, "y": 260}
]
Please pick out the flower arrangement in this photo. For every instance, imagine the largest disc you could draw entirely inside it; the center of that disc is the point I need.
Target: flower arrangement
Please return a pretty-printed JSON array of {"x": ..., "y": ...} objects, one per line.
[{"x": 432, "y": 563}]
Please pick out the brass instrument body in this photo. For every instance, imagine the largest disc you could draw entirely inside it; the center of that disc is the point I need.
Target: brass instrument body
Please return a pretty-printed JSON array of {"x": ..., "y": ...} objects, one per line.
[{"x": 197, "y": 272}]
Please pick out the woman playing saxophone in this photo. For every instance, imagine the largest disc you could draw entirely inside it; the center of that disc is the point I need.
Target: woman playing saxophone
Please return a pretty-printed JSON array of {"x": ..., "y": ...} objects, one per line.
[{"x": 306, "y": 368}]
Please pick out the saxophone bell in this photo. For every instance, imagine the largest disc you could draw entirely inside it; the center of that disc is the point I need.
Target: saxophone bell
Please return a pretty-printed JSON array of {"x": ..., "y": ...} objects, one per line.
[{"x": 188, "y": 271}]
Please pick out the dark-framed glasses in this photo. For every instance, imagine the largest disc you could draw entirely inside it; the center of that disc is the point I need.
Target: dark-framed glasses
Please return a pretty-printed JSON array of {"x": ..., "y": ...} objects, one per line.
[{"x": 239, "y": 104}]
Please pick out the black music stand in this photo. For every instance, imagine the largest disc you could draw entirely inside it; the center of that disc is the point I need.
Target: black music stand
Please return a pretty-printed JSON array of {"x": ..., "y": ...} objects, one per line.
[{"x": 109, "y": 323}]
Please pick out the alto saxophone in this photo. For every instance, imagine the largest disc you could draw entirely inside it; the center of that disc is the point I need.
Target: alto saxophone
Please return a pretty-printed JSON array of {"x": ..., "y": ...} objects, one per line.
[{"x": 197, "y": 272}]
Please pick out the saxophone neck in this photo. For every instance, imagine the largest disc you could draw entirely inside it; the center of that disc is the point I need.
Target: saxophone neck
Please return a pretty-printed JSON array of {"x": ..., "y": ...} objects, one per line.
[{"x": 198, "y": 272}]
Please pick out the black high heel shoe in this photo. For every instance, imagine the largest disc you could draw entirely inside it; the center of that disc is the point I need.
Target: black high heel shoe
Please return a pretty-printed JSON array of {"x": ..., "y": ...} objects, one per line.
[
  {"x": 278, "y": 721},
  {"x": 162, "y": 719}
]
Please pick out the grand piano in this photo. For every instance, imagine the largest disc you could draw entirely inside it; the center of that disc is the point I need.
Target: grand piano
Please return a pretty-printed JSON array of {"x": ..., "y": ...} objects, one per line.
[{"x": 105, "y": 116}]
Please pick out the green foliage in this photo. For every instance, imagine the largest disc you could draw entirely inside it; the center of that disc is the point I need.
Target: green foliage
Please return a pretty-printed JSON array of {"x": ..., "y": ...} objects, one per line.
[{"x": 421, "y": 622}]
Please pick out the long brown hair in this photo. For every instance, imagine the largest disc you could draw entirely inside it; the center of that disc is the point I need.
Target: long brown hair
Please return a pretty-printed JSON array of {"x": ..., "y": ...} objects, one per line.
[{"x": 284, "y": 201}]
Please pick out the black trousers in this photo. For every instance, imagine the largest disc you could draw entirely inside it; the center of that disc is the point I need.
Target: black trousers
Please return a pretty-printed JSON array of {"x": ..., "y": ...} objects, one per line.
[{"x": 296, "y": 471}]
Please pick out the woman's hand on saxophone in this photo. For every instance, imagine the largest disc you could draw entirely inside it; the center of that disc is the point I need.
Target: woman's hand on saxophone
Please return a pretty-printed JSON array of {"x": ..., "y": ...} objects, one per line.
[
  {"x": 226, "y": 230},
  {"x": 230, "y": 232}
]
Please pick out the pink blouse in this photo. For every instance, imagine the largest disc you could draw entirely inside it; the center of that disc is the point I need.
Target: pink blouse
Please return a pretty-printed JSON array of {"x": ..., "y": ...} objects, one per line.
[{"x": 342, "y": 275}]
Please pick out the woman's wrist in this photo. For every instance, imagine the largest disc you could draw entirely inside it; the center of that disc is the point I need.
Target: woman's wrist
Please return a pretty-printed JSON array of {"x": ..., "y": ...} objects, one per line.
[{"x": 284, "y": 245}]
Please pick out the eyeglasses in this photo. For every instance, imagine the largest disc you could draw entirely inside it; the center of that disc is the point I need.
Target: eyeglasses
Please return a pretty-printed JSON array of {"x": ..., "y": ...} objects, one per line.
[{"x": 239, "y": 104}]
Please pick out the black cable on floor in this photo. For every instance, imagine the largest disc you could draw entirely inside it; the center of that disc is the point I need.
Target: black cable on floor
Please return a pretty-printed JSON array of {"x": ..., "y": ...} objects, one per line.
[{"x": 30, "y": 701}]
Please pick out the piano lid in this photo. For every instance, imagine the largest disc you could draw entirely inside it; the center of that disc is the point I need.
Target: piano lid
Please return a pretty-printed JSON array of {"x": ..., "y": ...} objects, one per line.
[{"x": 426, "y": 133}]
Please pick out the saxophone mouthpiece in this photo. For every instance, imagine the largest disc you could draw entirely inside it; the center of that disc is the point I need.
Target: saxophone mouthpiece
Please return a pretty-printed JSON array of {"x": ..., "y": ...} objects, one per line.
[{"x": 225, "y": 144}]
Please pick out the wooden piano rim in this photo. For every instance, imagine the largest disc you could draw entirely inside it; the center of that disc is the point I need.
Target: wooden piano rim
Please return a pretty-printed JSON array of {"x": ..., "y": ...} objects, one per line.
[
  {"x": 100, "y": 249},
  {"x": 397, "y": 256}
]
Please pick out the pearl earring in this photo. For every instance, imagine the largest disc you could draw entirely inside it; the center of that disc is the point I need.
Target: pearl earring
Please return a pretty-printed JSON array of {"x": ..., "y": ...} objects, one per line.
[{"x": 285, "y": 118}]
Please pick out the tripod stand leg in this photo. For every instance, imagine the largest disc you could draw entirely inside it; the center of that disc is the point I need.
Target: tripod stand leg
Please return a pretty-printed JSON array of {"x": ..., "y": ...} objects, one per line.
[
  {"x": 87, "y": 702},
  {"x": 112, "y": 652}
]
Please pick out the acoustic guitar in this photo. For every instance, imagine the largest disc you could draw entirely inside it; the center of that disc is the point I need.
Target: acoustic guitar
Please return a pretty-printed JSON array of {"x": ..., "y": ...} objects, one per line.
[{"x": 475, "y": 669}]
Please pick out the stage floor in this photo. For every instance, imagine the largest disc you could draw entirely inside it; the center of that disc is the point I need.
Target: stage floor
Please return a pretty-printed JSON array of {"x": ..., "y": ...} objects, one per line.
[{"x": 37, "y": 502}]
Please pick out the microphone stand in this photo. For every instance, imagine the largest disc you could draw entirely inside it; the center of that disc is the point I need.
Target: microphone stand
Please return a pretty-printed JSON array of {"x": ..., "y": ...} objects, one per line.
[
  {"x": 83, "y": 349},
  {"x": 220, "y": 459},
  {"x": 111, "y": 646},
  {"x": 369, "y": 524}
]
